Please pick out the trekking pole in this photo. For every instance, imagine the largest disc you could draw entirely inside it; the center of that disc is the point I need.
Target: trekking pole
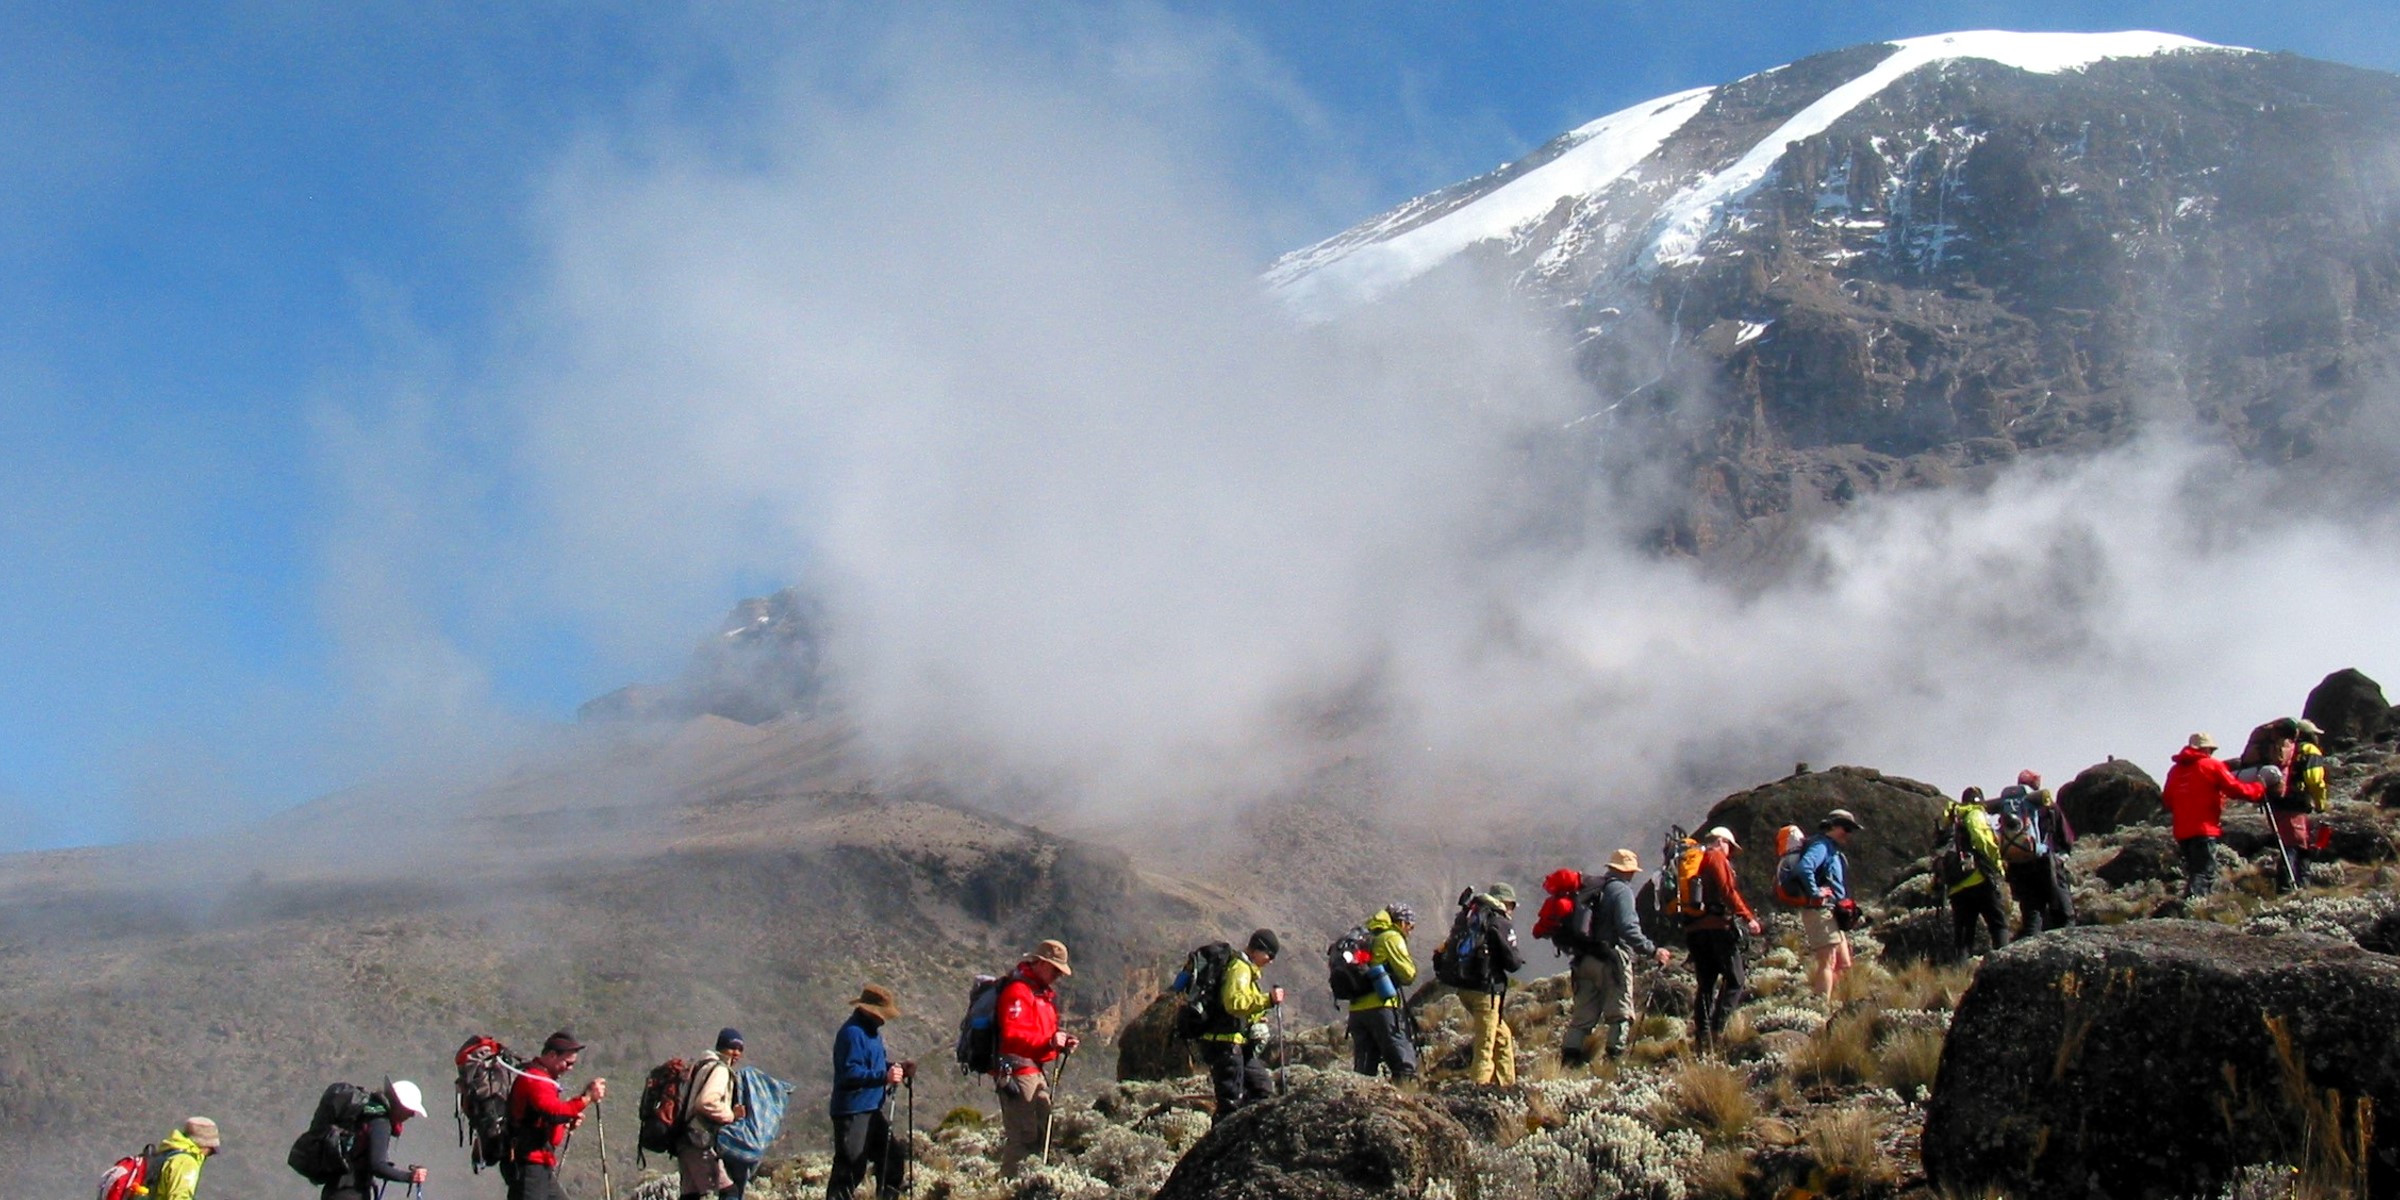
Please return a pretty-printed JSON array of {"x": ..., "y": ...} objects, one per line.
[
  {"x": 1283, "y": 1054},
  {"x": 909, "y": 1085},
  {"x": 608, "y": 1185},
  {"x": 1050, "y": 1116},
  {"x": 2276, "y": 828}
]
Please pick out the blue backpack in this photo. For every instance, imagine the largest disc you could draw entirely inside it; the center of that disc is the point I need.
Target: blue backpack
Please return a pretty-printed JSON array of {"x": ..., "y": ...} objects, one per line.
[{"x": 763, "y": 1099}]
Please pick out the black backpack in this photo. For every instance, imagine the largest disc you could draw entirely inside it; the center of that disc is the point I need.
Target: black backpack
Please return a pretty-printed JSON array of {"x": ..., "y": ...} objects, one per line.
[
  {"x": 1464, "y": 959},
  {"x": 321, "y": 1154},
  {"x": 1203, "y": 981},
  {"x": 978, "y": 1046},
  {"x": 1953, "y": 854},
  {"x": 487, "y": 1073},
  {"x": 1350, "y": 965},
  {"x": 661, "y": 1108}
]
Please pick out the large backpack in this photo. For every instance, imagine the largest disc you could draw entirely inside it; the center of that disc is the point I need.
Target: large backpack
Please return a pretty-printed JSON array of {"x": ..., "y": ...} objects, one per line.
[
  {"x": 1464, "y": 959},
  {"x": 762, "y": 1099},
  {"x": 1679, "y": 876},
  {"x": 131, "y": 1177},
  {"x": 1350, "y": 965},
  {"x": 1558, "y": 909},
  {"x": 978, "y": 1046},
  {"x": 2022, "y": 838},
  {"x": 1793, "y": 887},
  {"x": 661, "y": 1109},
  {"x": 1953, "y": 850},
  {"x": 1203, "y": 980},
  {"x": 321, "y": 1154},
  {"x": 487, "y": 1072}
]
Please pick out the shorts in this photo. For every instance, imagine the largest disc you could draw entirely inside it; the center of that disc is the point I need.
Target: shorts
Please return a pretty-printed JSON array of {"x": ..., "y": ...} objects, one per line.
[{"x": 1816, "y": 924}]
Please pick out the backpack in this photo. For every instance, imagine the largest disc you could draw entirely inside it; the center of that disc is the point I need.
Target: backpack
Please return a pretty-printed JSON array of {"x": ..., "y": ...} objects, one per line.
[
  {"x": 762, "y": 1099},
  {"x": 1551, "y": 922},
  {"x": 978, "y": 1047},
  {"x": 130, "y": 1177},
  {"x": 321, "y": 1154},
  {"x": 2021, "y": 838},
  {"x": 1953, "y": 853},
  {"x": 1464, "y": 959},
  {"x": 486, "y": 1074},
  {"x": 1679, "y": 876},
  {"x": 1350, "y": 965},
  {"x": 1793, "y": 887},
  {"x": 661, "y": 1108},
  {"x": 1203, "y": 980}
]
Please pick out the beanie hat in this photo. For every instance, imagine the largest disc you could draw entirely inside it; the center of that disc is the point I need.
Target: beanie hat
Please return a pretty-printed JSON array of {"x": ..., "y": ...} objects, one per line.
[
  {"x": 1265, "y": 942},
  {"x": 729, "y": 1038},
  {"x": 203, "y": 1133}
]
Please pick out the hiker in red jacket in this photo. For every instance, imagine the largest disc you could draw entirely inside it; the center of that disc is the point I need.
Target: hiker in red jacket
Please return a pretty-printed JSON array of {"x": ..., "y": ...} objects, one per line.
[
  {"x": 1027, "y": 1009},
  {"x": 1715, "y": 936},
  {"x": 540, "y": 1116},
  {"x": 2196, "y": 790}
]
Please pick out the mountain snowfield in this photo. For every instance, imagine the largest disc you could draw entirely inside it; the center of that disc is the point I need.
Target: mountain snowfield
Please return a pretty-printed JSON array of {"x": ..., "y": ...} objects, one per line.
[{"x": 1609, "y": 170}]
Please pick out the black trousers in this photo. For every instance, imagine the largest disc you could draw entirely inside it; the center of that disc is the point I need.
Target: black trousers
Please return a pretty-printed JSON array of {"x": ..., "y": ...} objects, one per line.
[
  {"x": 1236, "y": 1074},
  {"x": 739, "y": 1172},
  {"x": 2199, "y": 865},
  {"x": 1978, "y": 903},
  {"x": 1723, "y": 977},
  {"x": 862, "y": 1145},
  {"x": 2040, "y": 890},
  {"x": 534, "y": 1181},
  {"x": 1379, "y": 1040}
]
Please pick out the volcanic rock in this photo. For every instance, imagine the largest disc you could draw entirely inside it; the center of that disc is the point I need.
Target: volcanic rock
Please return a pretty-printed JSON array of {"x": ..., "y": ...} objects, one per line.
[
  {"x": 2152, "y": 1059},
  {"x": 2349, "y": 707},
  {"x": 1148, "y": 1047},
  {"x": 1897, "y": 818},
  {"x": 1336, "y": 1136},
  {"x": 2108, "y": 796},
  {"x": 2150, "y": 854}
]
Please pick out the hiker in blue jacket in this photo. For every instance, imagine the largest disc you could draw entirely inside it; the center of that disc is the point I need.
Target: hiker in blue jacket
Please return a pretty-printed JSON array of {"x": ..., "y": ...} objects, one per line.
[
  {"x": 1825, "y": 923},
  {"x": 862, "y": 1135}
]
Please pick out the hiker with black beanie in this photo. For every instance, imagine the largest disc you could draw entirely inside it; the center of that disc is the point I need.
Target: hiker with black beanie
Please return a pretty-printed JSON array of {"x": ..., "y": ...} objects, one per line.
[
  {"x": 862, "y": 1076},
  {"x": 708, "y": 1107},
  {"x": 1231, "y": 1043}
]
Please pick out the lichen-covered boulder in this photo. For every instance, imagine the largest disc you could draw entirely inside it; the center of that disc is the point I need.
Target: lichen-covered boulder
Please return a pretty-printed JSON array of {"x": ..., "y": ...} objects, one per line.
[
  {"x": 1898, "y": 818},
  {"x": 2349, "y": 707},
  {"x": 2153, "y": 1059},
  {"x": 2150, "y": 854},
  {"x": 1336, "y": 1136},
  {"x": 1147, "y": 1048},
  {"x": 2106, "y": 797}
]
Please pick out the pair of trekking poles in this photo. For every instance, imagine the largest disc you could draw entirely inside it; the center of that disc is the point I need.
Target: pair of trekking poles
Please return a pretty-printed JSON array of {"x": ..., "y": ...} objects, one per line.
[{"x": 908, "y": 1084}]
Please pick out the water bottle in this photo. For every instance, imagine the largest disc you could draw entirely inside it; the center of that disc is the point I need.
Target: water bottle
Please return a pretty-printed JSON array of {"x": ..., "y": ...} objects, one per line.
[
  {"x": 1384, "y": 986},
  {"x": 1183, "y": 980}
]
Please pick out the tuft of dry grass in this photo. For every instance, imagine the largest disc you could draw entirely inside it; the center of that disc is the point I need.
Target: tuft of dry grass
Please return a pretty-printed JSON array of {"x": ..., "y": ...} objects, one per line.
[
  {"x": 1928, "y": 986},
  {"x": 1842, "y": 1052},
  {"x": 1711, "y": 1099},
  {"x": 1867, "y": 981},
  {"x": 1847, "y": 1146},
  {"x": 1909, "y": 1060},
  {"x": 1723, "y": 1173}
]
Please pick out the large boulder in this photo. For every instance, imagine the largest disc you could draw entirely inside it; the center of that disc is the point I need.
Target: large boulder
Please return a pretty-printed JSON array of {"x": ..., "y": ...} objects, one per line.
[
  {"x": 1897, "y": 816},
  {"x": 1147, "y": 1047},
  {"x": 2147, "y": 854},
  {"x": 1336, "y": 1136},
  {"x": 2349, "y": 707},
  {"x": 2152, "y": 1059},
  {"x": 2108, "y": 796}
]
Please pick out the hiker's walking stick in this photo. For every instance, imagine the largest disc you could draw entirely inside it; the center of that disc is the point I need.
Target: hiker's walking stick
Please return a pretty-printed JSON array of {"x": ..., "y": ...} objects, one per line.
[
  {"x": 1283, "y": 1053},
  {"x": 883, "y": 1160},
  {"x": 608, "y": 1185},
  {"x": 909, "y": 1083},
  {"x": 1050, "y": 1114},
  {"x": 2276, "y": 828}
]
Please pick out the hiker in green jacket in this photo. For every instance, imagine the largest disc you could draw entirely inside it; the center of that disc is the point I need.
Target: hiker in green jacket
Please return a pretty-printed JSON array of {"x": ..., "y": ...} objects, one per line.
[
  {"x": 1230, "y": 1046},
  {"x": 184, "y": 1152},
  {"x": 1966, "y": 860},
  {"x": 1379, "y": 1034}
]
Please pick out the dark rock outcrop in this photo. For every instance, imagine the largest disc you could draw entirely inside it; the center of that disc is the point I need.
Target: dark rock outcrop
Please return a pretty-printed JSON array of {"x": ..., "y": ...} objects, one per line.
[
  {"x": 2153, "y": 1059},
  {"x": 1336, "y": 1136},
  {"x": 2383, "y": 937},
  {"x": 2150, "y": 854},
  {"x": 2108, "y": 796},
  {"x": 2349, "y": 707},
  {"x": 1898, "y": 816},
  {"x": 1148, "y": 1047}
]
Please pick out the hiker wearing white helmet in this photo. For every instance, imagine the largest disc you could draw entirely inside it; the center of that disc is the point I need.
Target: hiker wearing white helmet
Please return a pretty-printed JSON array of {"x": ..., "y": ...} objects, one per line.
[
  {"x": 369, "y": 1165},
  {"x": 1719, "y": 917}
]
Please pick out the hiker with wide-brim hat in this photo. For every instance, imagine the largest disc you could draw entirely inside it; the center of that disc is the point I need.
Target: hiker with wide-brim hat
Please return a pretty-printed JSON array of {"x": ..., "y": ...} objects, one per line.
[
  {"x": 1826, "y": 920},
  {"x": 863, "y": 1076},
  {"x": 1030, "y": 1039},
  {"x": 2195, "y": 791},
  {"x": 1482, "y": 979},
  {"x": 1606, "y": 934}
]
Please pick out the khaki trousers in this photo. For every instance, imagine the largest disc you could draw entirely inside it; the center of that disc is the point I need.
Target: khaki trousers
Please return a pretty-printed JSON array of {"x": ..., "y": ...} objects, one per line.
[
  {"x": 1495, "y": 1047},
  {"x": 1024, "y": 1115}
]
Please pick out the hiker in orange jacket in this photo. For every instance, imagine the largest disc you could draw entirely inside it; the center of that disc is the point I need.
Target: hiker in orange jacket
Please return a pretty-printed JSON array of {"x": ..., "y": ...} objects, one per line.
[
  {"x": 2195, "y": 791},
  {"x": 1715, "y": 938}
]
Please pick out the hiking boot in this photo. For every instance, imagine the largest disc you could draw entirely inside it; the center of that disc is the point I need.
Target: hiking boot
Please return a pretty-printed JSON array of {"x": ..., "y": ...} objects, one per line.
[{"x": 1573, "y": 1058}]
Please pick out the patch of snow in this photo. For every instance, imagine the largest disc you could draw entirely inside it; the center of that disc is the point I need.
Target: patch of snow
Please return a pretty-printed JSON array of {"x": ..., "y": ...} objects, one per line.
[
  {"x": 1605, "y": 151},
  {"x": 1750, "y": 331},
  {"x": 1692, "y": 217}
]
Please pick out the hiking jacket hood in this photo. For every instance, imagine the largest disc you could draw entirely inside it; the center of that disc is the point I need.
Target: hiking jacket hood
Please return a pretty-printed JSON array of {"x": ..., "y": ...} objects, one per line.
[
  {"x": 1387, "y": 948},
  {"x": 1028, "y": 1024},
  {"x": 861, "y": 1069},
  {"x": 179, "y": 1171},
  {"x": 1241, "y": 1001},
  {"x": 2196, "y": 789}
]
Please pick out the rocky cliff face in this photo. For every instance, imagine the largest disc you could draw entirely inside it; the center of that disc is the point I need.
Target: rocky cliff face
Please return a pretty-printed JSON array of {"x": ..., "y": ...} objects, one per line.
[{"x": 1899, "y": 265}]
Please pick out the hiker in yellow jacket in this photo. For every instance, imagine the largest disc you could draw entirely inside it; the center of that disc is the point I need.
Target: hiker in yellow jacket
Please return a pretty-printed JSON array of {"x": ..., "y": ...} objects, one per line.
[
  {"x": 184, "y": 1152},
  {"x": 1966, "y": 861},
  {"x": 1228, "y": 1046},
  {"x": 1379, "y": 1032}
]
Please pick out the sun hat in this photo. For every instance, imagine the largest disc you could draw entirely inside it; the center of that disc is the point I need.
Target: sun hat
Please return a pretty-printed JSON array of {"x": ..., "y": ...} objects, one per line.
[
  {"x": 876, "y": 1001},
  {"x": 1720, "y": 833},
  {"x": 1625, "y": 860},
  {"x": 203, "y": 1133},
  {"x": 406, "y": 1098},
  {"x": 1053, "y": 952},
  {"x": 2200, "y": 741}
]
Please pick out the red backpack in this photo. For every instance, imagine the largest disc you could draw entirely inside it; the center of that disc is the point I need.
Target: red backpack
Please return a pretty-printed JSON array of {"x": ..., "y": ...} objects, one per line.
[
  {"x": 130, "y": 1177},
  {"x": 662, "y": 1108},
  {"x": 1561, "y": 886}
]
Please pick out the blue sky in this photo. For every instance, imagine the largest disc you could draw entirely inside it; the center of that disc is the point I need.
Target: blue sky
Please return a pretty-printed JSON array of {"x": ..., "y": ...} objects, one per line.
[{"x": 240, "y": 241}]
